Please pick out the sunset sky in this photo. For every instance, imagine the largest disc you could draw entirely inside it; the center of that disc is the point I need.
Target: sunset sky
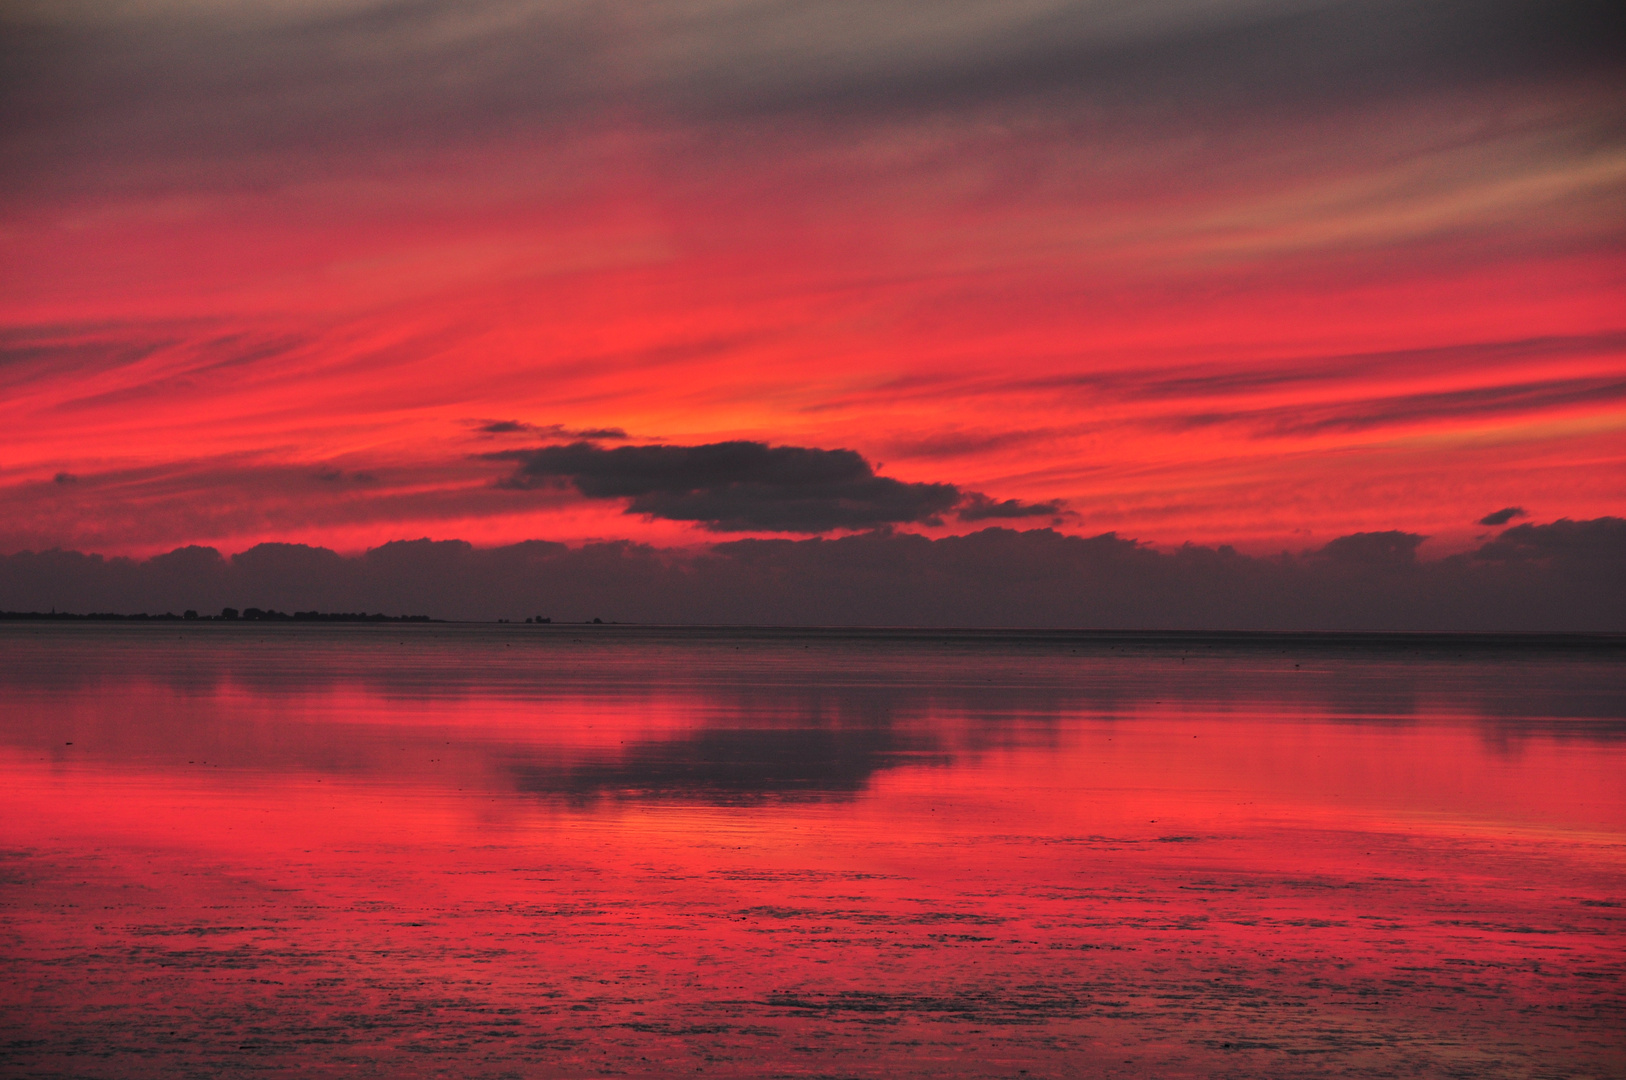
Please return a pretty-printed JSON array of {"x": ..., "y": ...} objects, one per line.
[{"x": 1259, "y": 272}]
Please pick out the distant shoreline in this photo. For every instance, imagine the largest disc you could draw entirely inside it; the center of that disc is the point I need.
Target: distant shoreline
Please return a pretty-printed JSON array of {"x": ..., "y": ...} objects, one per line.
[
  {"x": 247, "y": 615},
  {"x": 1192, "y": 642}
]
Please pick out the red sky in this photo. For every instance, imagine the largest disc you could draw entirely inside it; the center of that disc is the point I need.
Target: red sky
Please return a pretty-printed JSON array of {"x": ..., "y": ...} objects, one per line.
[{"x": 1258, "y": 273}]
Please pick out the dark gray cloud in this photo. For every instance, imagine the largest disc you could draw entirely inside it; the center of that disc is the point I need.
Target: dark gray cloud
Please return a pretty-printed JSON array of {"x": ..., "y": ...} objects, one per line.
[
  {"x": 976, "y": 506},
  {"x": 1238, "y": 57},
  {"x": 1560, "y": 576},
  {"x": 246, "y": 82},
  {"x": 1503, "y": 516},
  {"x": 547, "y": 431},
  {"x": 736, "y": 486},
  {"x": 1391, "y": 548},
  {"x": 1596, "y": 542}
]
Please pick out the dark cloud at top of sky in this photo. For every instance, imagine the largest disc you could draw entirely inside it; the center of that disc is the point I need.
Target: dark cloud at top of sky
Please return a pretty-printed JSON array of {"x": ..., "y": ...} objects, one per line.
[
  {"x": 109, "y": 80},
  {"x": 738, "y": 486},
  {"x": 1503, "y": 516},
  {"x": 1172, "y": 56},
  {"x": 1561, "y": 576}
]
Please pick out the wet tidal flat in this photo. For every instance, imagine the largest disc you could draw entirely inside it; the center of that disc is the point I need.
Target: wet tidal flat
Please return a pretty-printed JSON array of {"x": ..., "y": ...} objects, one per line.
[{"x": 251, "y": 850}]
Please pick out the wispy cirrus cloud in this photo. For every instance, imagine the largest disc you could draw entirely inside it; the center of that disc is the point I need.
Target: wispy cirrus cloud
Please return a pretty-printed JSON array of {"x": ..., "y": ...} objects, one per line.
[
  {"x": 1421, "y": 409},
  {"x": 1183, "y": 266},
  {"x": 150, "y": 506},
  {"x": 1243, "y": 379},
  {"x": 245, "y": 77}
]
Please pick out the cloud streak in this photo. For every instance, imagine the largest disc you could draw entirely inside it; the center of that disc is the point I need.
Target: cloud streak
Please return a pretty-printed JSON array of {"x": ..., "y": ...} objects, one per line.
[
  {"x": 979, "y": 507},
  {"x": 255, "y": 76},
  {"x": 1503, "y": 516},
  {"x": 546, "y": 431}
]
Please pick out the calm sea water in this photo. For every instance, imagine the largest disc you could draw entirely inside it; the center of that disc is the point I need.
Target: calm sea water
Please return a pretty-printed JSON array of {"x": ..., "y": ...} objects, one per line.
[{"x": 235, "y": 850}]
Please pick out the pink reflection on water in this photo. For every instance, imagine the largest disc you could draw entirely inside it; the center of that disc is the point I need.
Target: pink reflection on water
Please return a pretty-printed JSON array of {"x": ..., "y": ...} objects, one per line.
[{"x": 330, "y": 854}]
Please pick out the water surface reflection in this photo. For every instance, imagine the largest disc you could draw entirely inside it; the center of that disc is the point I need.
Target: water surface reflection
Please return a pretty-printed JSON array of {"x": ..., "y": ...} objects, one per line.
[{"x": 554, "y": 851}]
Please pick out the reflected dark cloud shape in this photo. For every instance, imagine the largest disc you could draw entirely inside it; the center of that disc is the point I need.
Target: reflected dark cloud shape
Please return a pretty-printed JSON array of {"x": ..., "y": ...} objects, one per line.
[
  {"x": 771, "y": 723},
  {"x": 740, "y": 716},
  {"x": 738, "y": 765}
]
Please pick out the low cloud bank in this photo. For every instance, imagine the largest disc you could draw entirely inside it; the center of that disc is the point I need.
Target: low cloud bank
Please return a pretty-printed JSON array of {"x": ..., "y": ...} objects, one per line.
[{"x": 1566, "y": 575}]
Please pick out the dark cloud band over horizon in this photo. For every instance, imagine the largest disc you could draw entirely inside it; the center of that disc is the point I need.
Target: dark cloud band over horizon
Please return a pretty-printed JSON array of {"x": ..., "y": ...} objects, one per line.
[{"x": 1561, "y": 576}]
